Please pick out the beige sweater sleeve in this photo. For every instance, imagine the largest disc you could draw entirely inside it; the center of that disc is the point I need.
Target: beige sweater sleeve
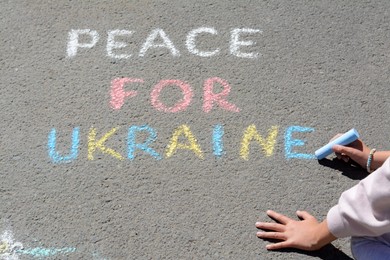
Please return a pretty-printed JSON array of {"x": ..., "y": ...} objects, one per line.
[{"x": 363, "y": 210}]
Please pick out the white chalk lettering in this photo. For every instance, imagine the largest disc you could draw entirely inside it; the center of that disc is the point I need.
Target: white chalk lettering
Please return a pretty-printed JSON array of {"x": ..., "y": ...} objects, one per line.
[
  {"x": 191, "y": 45},
  {"x": 112, "y": 44},
  {"x": 149, "y": 43},
  {"x": 235, "y": 43},
  {"x": 118, "y": 47},
  {"x": 73, "y": 41}
]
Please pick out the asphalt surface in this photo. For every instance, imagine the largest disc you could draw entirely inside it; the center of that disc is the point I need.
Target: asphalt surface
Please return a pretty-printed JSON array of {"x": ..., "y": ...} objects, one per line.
[{"x": 320, "y": 65}]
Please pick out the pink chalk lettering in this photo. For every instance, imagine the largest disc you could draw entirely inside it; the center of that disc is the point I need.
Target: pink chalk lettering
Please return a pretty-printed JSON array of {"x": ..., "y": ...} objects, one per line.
[
  {"x": 220, "y": 98},
  {"x": 180, "y": 105},
  {"x": 118, "y": 94}
]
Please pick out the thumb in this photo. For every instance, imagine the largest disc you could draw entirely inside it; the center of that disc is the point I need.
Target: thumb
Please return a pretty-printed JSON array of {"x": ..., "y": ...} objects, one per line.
[{"x": 304, "y": 215}]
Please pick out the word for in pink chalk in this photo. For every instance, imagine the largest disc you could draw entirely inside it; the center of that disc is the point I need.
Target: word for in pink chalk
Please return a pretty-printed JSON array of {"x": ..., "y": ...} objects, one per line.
[
  {"x": 119, "y": 94},
  {"x": 120, "y": 45}
]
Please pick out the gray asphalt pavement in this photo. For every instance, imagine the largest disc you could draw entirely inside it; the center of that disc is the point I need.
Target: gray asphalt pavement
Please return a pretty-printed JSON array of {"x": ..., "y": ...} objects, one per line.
[{"x": 166, "y": 129}]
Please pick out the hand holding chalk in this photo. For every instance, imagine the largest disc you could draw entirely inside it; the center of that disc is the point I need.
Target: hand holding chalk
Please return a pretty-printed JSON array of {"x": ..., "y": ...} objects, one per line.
[{"x": 344, "y": 139}]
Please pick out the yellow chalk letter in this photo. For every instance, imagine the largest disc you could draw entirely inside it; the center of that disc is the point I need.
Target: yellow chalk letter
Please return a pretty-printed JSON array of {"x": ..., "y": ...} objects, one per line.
[
  {"x": 93, "y": 144},
  {"x": 174, "y": 145},
  {"x": 267, "y": 144}
]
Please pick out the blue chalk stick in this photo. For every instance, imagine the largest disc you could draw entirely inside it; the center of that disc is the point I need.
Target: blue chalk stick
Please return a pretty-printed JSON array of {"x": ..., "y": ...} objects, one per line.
[{"x": 345, "y": 139}]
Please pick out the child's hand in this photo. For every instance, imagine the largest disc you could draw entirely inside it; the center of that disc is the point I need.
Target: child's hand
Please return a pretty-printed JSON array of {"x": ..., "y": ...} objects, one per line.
[
  {"x": 306, "y": 234},
  {"x": 357, "y": 151}
]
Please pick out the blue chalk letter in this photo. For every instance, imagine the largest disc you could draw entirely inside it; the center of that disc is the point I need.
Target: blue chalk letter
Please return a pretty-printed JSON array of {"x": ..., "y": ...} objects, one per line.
[
  {"x": 54, "y": 155},
  {"x": 217, "y": 140},
  {"x": 132, "y": 145},
  {"x": 289, "y": 142}
]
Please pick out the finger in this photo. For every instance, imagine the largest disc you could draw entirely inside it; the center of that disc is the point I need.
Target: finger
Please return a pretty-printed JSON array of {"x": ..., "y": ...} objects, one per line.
[
  {"x": 345, "y": 158},
  {"x": 339, "y": 155},
  {"x": 304, "y": 215},
  {"x": 337, "y": 149},
  {"x": 279, "y": 245},
  {"x": 345, "y": 150},
  {"x": 270, "y": 226},
  {"x": 271, "y": 235},
  {"x": 278, "y": 217}
]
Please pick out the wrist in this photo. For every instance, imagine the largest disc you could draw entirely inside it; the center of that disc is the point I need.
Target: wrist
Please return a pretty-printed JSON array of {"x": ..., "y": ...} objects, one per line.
[
  {"x": 369, "y": 167},
  {"x": 324, "y": 236},
  {"x": 379, "y": 158}
]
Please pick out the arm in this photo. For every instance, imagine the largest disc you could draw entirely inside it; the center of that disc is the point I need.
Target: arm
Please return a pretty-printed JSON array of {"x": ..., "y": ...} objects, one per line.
[
  {"x": 364, "y": 210},
  {"x": 307, "y": 234},
  {"x": 359, "y": 151}
]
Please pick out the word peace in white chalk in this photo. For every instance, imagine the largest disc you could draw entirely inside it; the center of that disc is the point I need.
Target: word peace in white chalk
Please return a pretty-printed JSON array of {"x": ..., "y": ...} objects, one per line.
[{"x": 157, "y": 38}]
